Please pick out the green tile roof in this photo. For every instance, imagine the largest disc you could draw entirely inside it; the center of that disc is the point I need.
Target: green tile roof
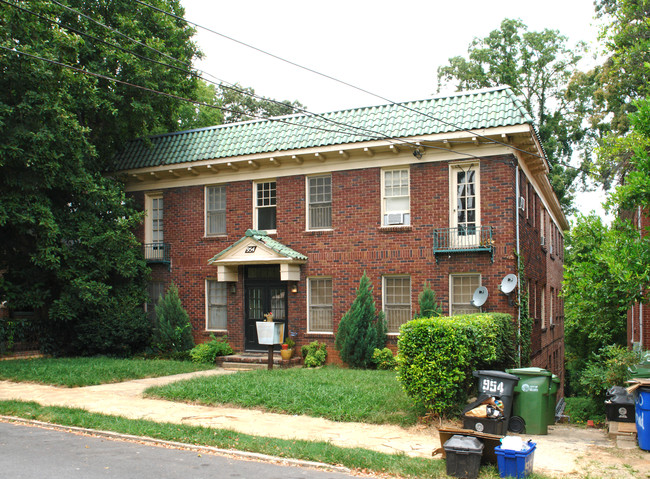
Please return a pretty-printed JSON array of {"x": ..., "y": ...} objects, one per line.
[
  {"x": 262, "y": 237},
  {"x": 457, "y": 112}
]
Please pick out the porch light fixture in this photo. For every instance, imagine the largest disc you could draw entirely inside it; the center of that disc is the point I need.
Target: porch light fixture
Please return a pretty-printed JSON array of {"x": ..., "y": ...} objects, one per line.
[
  {"x": 417, "y": 153},
  {"x": 294, "y": 288},
  {"x": 233, "y": 288}
]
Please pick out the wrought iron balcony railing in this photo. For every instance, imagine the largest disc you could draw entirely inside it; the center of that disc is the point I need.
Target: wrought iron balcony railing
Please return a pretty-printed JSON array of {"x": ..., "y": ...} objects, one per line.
[
  {"x": 463, "y": 240},
  {"x": 157, "y": 252}
]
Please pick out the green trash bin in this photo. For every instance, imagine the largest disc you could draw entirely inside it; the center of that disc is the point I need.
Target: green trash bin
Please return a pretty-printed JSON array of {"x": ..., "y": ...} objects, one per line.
[
  {"x": 532, "y": 398},
  {"x": 552, "y": 399}
]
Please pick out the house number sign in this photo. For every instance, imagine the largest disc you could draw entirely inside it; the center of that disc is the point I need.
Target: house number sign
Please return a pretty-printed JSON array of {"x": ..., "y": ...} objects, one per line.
[{"x": 250, "y": 249}]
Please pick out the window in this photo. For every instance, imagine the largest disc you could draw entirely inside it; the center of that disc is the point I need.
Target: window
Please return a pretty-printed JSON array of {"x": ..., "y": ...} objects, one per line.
[
  {"x": 155, "y": 290},
  {"x": 395, "y": 197},
  {"x": 217, "y": 303},
  {"x": 550, "y": 309},
  {"x": 153, "y": 232},
  {"x": 465, "y": 211},
  {"x": 542, "y": 226},
  {"x": 397, "y": 301},
  {"x": 265, "y": 201},
  {"x": 215, "y": 210},
  {"x": 319, "y": 196},
  {"x": 462, "y": 287},
  {"x": 320, "y": 310}
]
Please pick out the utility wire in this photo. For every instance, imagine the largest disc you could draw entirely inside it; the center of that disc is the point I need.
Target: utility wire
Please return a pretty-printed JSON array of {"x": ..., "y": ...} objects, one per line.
[
  {"x": 478, "y": 135},
  {"x": 345, "y": 125}
]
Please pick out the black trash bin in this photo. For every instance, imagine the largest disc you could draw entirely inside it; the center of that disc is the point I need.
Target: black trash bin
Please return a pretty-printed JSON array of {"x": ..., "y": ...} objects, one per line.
[
  {"x": 492, "y": 384},
  {"x": 463, "y": 455},
  {"x": 620, "y": 407}
]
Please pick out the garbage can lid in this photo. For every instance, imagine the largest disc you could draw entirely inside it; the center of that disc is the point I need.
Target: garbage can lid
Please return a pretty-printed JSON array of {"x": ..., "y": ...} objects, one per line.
[
  {"x": 494, "y": 374},
  {"x": 530, "y": 372},
  {"x": 464, "y": 444}
]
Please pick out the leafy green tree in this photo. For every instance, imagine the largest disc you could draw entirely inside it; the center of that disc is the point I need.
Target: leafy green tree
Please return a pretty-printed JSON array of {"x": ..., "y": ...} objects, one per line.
[
  {"x": 429, "y": 307},
  {"x": 173, "y": 332},
  {"x": 192, "y": 116},
  {"x": 362, "y": 329},
  {"x": 240, "y": 104},
  {"x": 537, "y": 66},
  {"x": 66, "y": 244}
]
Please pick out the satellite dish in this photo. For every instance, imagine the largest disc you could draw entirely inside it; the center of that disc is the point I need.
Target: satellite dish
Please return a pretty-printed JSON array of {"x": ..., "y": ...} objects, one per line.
[
  {"x": 480, "y": 296},
  {"x": 508, "y": 284}
]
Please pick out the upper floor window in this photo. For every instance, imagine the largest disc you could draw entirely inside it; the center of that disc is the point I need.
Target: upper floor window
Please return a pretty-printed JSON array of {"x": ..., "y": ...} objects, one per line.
[
  {"x": 465, "y": 211},
  {"x": 265, "y": 206},
  {"x": 215, "y": 210},
  {"x": 397, "y": 301},
  {"x": 319, "y": 196},
  {"x": 320, "y": 311},
  {"x": 217, "y": 306},
  {"x": 153, "y": 228},
  {"x": 395, "y": 197},
  {"x": 461, "y": 291}
]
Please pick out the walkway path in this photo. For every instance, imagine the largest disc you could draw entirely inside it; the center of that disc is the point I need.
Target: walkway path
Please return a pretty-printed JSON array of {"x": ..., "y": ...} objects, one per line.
[{"x": 561, "y": 452}]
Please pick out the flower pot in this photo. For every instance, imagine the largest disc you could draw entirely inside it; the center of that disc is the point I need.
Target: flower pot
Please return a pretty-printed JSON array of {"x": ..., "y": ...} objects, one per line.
[{"x": 286, "y": 354}]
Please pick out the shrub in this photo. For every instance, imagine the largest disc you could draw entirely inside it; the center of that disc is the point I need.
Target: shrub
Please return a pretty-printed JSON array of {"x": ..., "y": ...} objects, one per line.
[
  {"x": 314, "y": 354},
  {"x": 174, "y": 332},
  {"x": 437, "y": 355},
  {"x": 429, "y": 307},
  {"x": 384, "y": 359},
  {"x": 581, "y": 409},
  {"x": 361, "y": 329},
  {"x": 208, "y": 352},
  {"x": 607, "y": 368}
]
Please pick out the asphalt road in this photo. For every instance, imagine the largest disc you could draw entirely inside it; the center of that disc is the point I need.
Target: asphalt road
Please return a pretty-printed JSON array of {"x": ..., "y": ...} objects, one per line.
[{"x": 34, "y": 452}]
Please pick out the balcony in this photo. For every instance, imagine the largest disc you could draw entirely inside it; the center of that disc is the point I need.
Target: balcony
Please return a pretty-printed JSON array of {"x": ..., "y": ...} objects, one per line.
[
  {"x": 157, "y": 252},
  {"x": 463, "y": 240}
]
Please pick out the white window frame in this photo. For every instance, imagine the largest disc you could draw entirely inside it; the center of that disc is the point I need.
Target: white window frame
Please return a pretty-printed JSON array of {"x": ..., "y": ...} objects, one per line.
[
  {"x": 402, "y": 306},
  {"x": 543, "y": 303},
  {"x": 150, "y": 203},
  {"x": 550, "y": 309},
  {"x": 212, "y": 215},
  {"x": 256, "y": 208},
  {"x": 209, "y": 304},
  {"x": 451, "y": 293},
  {"x": 454, "y": 168},
  {"x": 310, "y": 305},
  {"x": 405, "y": 213},
  {"x": 308, "y": 195}
]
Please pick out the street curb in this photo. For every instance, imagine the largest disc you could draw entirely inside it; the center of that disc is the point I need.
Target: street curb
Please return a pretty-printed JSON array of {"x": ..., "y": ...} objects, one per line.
[{"x": 192, "y": 447}]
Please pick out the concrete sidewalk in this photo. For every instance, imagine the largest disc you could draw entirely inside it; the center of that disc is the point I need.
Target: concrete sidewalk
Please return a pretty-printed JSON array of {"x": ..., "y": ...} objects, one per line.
[{"x": 558, "y": 453}]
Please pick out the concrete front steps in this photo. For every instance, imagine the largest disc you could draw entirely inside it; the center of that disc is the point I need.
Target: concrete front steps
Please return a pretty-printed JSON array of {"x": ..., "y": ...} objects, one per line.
[{"x": 250, "y": 361}]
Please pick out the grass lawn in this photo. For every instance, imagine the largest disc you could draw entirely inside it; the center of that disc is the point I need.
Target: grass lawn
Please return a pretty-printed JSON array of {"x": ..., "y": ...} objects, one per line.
[
  {"x": 353, "y": 458},
  {"x": 330, "y": 392},
  {"x": 74, "y": 372}
]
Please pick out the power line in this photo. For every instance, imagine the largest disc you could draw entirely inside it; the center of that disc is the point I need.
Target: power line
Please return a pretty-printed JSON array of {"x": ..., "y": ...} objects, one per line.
[
  {"x": 345, "y": 125},
  {"x": 329, "y": 77}
]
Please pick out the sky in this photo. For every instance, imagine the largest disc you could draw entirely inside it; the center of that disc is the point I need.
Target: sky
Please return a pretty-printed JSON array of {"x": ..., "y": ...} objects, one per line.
[{"x": 389, "y": 48}]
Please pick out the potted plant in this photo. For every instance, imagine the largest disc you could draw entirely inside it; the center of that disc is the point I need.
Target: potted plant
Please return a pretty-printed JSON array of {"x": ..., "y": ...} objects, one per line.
[{"x": 287, "y": 349}]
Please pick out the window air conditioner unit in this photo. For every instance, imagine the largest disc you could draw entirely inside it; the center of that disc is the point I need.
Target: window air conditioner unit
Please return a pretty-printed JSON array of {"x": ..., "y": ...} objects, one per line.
[
  {"x": 522, "y": 203},
  {"x": 395, "y": 219}
]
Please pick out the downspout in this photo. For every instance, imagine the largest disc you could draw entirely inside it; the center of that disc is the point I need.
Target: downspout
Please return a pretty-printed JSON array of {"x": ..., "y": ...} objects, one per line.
[{"x": 517, "y": 195}]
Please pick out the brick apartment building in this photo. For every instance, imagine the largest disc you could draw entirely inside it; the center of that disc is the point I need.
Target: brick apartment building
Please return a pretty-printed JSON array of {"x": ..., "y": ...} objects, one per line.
[
  {"x": 286, "y": 214},
  {"x": 638, "y": 316}
]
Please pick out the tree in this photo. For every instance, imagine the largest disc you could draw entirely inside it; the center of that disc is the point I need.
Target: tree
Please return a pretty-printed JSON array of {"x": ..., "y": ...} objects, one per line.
[
  {"x": 537, "y": 66},
  {"x": 174, "y": 331},
  {"x": 429, "y": 307},
  {"x": 361, "y": 329},
  {"x": 66, "y": 242},
  {"x": 615, "y": 85}
]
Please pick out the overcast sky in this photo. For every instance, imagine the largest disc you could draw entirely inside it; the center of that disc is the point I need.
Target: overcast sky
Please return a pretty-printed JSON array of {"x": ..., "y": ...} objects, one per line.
[{"x": 390, "y": 48}]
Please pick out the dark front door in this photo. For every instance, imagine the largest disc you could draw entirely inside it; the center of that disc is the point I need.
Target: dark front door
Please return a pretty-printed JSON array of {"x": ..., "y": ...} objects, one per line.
[{"x": 263, "y": 296}]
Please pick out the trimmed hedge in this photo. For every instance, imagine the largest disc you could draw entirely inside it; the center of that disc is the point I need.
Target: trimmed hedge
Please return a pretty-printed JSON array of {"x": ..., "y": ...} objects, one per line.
[{"x": 437, "y": 356}]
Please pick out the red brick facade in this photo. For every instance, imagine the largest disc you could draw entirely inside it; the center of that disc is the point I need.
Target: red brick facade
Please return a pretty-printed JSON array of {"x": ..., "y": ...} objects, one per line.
[
  {"x": 357, "y": 242},
  {"x": 638, "y": 316}
]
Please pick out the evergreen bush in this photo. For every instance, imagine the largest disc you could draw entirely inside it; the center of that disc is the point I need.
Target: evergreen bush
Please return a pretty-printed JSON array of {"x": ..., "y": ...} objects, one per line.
[
  {"x": 174, "y": 331},
  {"x": 208, "y": 352},
  {"x": 361, "y": 329},
  {"x": 429, "y": 307}
]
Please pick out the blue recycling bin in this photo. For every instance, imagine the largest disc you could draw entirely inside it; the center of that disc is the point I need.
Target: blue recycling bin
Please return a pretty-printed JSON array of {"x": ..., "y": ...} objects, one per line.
[{"x": 642, "y": 412}]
